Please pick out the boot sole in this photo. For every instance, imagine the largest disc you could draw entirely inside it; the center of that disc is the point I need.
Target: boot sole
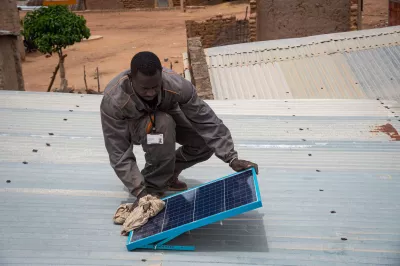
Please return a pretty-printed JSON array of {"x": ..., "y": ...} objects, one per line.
[{"x": 176, "y": 189}]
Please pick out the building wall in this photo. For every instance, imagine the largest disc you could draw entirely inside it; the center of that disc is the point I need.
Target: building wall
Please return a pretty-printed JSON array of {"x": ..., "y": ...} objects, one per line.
[
  {"x": 119, "y": 4},
  {"x": 9, "y": 19},
  {"x": 10, "y": 64},
  {"x": 103, "y": 4},
  {"x": 199, "y": 68},
  {"x": 353, "y": 14},
  {"x": 138, "y": 3},
  {"x": 299, "y": 18},
  {"x": 253, "y": 21},
  {"x": 10, "y": 58},
  {"x": 196, "y": 2},
  {"x": 394, "y": 12},
  {"x": 219, "y": 31}
]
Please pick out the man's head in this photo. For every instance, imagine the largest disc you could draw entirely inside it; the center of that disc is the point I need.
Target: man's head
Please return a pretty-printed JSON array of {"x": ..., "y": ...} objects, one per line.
[{"x": 146, "y": 75}]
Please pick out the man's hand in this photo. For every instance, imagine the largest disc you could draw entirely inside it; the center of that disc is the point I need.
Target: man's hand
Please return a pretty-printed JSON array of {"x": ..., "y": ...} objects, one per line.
[{"x": 240, "y": 165}]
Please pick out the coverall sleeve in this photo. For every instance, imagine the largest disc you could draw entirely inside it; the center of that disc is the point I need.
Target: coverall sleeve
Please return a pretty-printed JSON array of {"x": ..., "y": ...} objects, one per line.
[
  {"x": 117, "y": 138},
  {"x": 204, "y": 120}
]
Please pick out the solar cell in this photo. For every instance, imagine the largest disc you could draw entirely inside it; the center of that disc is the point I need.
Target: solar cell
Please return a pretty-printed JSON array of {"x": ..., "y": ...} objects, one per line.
[
  {"x": 193, "y": 207},
  {"x": 152, "y": 227},
  {"x": 179, "y": 210},
  {"x": 209, "y": 200}
]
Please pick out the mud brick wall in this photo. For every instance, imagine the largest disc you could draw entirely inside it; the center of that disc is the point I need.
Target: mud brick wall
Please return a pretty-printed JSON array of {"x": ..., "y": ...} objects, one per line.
[
  {"x": 253, "y": 21},
  {"x": 10, "y": 64},
  {"x": 218, "y": 31},
  {"x": 195, "y": 2},
  {"x": 190, "y": 2},
  {"x": 199, "y": 68},
  {"x": 103, "y": 4},
  {"x": 9, "y": 18},
  {"x": 353, "y": 14},
  {"x": 394, "y": 12},
  {"x": 10, "y": 58},
  {"x": 300, "y": 18},
  {"x": 119, "y": 4},
  {"x": 138, "y": 3}
]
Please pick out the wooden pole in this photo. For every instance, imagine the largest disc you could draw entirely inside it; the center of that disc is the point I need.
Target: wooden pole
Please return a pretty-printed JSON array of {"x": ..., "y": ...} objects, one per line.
[
  {"x": 98, "y": 79},
  {"x": 84, "y": 77}
]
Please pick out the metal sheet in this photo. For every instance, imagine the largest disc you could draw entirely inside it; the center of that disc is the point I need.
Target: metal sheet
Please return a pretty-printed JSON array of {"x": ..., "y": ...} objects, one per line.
[
  {"x": 316, "y": 67},
  {"x": 378, "y": 71},
  {"x": 326, "y": 77},
  {"x": 261, "y": 81},
  {"x": 58, "y": 208}
]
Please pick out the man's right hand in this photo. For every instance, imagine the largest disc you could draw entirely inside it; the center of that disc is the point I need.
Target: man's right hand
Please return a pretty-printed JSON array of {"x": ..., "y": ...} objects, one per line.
[{"x": 241, "y": 165}]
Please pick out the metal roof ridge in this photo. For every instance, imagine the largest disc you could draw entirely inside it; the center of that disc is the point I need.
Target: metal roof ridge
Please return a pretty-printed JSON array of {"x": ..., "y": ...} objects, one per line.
[{"x": 282, "y": 44}]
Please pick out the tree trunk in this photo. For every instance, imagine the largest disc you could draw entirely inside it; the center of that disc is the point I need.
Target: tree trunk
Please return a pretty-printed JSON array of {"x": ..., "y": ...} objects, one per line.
[
  {"x": 53, "y": 77},
  {"x": 64, "y": 82}
]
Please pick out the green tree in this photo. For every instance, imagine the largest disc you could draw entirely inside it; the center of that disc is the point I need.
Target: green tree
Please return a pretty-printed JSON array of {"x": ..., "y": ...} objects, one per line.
[{"x": 52, "y": 29}]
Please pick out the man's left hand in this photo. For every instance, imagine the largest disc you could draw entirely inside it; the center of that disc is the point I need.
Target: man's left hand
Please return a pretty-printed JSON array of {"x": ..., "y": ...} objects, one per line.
[{"x": 240, "y": 165}]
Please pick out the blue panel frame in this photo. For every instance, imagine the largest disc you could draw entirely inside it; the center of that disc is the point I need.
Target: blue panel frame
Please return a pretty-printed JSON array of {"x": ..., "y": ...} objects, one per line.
[{"x": 172, "y": 233}]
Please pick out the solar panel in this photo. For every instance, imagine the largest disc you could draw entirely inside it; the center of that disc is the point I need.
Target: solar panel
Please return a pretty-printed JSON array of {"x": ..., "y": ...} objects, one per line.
[{"x": 205, "y": 204}]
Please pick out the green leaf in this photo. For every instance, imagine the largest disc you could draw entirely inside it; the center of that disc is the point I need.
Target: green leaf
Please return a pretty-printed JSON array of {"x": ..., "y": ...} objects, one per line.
[{"x": 54, "y": 27}]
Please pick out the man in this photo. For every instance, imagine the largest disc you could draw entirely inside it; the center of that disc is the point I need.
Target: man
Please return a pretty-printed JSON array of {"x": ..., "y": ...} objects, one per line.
[{"x": 156, "y": 108}]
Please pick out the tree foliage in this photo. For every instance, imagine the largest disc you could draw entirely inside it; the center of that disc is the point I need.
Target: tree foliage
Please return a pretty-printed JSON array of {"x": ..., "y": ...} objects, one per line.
[{"x": 53, "y": 28}]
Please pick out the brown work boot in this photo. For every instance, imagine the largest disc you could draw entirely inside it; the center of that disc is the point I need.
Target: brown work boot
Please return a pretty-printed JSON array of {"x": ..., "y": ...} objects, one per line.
[
  {"x": 176, "y": 185},
  {"x": 158, "y": 195}
]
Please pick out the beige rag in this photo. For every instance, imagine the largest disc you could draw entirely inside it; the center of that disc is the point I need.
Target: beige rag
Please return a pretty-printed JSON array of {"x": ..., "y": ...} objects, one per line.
[
  {"x": 148, "y": 207},
  {"x": 122, "y": 213}
]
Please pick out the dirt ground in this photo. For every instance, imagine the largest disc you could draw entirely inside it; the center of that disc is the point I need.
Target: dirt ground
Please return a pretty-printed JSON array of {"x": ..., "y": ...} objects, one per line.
[{"x": 126, "y": 33}]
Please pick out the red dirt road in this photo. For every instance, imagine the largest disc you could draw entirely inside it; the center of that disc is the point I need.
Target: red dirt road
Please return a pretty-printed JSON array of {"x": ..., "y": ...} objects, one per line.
[{"x": 124, "y": 34}]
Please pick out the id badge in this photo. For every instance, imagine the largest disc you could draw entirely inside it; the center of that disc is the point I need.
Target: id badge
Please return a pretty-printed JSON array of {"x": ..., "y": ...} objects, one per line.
[{"x": 155, "y": 139}]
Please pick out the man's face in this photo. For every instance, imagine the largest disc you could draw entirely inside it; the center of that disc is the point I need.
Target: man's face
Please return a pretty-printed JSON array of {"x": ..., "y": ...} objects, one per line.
[{"x": 147, "y": 87}]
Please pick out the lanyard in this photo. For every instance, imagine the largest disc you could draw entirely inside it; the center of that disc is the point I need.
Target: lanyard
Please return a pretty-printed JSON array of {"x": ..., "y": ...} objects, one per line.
[{"x": 153, "y": 121}]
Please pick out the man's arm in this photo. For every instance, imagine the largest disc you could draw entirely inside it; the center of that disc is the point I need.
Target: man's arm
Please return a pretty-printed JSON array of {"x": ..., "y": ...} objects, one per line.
[
  {"x": 117, "y": 138},
  {"x": 210, "y": 127}
]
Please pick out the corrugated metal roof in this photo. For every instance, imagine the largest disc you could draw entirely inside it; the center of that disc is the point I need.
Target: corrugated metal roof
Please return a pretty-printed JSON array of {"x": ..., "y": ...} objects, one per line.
[
  {"x": 341, "y": 65},
  {"x": 378, "y": 71},
  {"x": 58, "y": 208}
]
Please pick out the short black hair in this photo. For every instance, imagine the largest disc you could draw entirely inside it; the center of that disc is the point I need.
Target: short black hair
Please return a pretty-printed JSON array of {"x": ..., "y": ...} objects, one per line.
[{"x": 146, "y": 63}]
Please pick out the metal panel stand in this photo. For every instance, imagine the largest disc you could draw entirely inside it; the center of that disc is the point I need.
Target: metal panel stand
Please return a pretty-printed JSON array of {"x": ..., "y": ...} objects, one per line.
[{"x": 160, "y": 245}]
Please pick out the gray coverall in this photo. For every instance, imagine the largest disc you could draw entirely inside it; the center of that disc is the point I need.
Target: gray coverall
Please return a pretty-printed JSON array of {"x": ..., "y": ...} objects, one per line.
[{"x": 181, "y": 116}]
